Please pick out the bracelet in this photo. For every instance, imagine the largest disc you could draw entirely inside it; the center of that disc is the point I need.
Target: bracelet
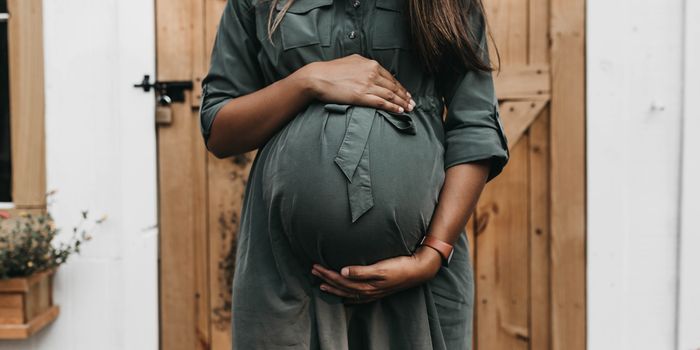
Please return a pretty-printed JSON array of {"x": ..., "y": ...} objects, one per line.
[{"x": 445, "y": 249}]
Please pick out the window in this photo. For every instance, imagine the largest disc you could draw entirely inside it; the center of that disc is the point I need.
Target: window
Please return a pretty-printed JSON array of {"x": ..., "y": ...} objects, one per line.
[{"x": 5, "y": 156}]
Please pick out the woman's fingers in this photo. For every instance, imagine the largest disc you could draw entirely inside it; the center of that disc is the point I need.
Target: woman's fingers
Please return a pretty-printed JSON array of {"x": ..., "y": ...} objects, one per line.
[
  {"x": 335, "y": 279},
  {"x": 382, "y": 77},
  {"x": 370, "y": 272},
  {"x": 361, "y": 81},
  {"x": 365, "y": 283},
  {"x": 391, "y": 78},
  {"x": 392, "y": 91},
  {"x": 333, "y": 283},
  {"x": 338, "y": 291},
  {"x": 389, "y": 96},
  {"x": 375, "y": 101}
]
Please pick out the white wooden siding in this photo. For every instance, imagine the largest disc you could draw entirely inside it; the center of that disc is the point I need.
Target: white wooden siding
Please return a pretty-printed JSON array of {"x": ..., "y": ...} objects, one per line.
[
  {"x": 635, "y": 113},
  {"x": 689, "y": 243},
  {"x": 101, "y": 156}
]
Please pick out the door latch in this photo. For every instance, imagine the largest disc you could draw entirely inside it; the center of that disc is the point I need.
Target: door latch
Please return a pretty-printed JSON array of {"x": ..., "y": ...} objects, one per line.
[{"x": 168, "y": 91}]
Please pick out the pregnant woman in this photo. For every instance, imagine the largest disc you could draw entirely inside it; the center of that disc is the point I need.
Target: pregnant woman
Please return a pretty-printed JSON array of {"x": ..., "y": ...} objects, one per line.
[{"x": 377, "y": 127}]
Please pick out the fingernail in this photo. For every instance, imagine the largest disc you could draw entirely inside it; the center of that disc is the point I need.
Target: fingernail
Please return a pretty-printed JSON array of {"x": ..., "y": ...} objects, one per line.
[
  {"x": 323, "y": 288},
  {"x": 314, "y": 272},
  {"x": 400, "y": 109},
  {"x": 346, "y": 271},
  {"x": 408, "y": 94},
  {"x": 413, "y": 102}
]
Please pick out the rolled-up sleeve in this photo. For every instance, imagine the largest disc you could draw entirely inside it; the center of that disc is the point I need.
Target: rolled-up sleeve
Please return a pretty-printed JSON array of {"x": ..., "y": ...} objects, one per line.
[
  {"x": 234, "y": 69},
  {"x": 473, "y": 129}
]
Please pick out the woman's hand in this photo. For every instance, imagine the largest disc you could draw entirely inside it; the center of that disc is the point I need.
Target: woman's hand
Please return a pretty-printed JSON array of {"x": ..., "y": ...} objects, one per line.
[
  {"x": 357, "y": 80},
  {"x": 362, "y": 284},
  {"x": 239, "y": 127}
]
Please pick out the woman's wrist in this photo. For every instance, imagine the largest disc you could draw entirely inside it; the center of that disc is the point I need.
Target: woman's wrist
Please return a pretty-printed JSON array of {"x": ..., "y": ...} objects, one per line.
[
  {"x": 430, "y": 259},
  {"x": 305, "y": 81}
]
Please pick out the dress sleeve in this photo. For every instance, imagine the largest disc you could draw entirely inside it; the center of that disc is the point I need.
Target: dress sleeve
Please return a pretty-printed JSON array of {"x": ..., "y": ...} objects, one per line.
[
  {"x": 234, "y": 68},
  {"x": 473, "y": 129}
]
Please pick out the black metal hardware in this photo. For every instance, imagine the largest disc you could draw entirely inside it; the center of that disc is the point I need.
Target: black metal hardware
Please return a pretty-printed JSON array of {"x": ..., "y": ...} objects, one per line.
[{"x": 168, "y": 91}]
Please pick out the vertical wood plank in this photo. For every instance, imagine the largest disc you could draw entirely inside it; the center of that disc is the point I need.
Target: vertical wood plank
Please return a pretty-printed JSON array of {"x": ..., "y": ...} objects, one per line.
[
  {"x": 26, "y": 62},
  {"x": 227, "y": 180},
  {"x": 538, "y": 48},
  {"x": 174, "y": 39},
  {"x": 509, "y": 25},
  {"x": 226, "y": 186},
  {"x": 182, "y": 187},
  {"x": 200, "y": 55},
  {"x": 540, "y": 283},
  {"x": 567, "y": 175},
  {"x": 502, "y": 245},
  {"x": 502, "y": 214},
  {"x": 201, "y": 241}
]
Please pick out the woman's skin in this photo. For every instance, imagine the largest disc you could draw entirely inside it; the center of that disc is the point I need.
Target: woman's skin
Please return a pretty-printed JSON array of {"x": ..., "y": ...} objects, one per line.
[{"x": 240, "y": 127}]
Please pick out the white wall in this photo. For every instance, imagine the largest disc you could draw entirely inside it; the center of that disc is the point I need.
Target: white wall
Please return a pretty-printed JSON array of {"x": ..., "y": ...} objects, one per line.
[
  {"x": 636, "y": 85},
  {"x": 101, "y": 156}
]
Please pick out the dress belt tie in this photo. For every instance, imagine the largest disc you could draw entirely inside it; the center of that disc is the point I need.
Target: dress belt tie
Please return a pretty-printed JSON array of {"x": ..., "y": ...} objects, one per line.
[{"x": 353, "y": 155}]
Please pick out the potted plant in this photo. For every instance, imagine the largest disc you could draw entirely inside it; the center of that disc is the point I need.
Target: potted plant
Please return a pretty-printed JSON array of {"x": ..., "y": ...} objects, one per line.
[{"x": 29, "y": 257}]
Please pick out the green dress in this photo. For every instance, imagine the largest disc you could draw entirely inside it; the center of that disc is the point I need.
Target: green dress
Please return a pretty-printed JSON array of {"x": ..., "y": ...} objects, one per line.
[{"x": 347, "y": 185}]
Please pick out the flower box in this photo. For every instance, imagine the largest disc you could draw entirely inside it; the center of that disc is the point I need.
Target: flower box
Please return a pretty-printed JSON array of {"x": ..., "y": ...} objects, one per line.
[{"x": 26, "y": 305}]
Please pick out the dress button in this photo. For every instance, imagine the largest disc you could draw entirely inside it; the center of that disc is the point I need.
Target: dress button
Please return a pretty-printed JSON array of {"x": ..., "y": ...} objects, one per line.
[
  {"x": 356, "y": 4},
  {"x": 352, "y": 35}
]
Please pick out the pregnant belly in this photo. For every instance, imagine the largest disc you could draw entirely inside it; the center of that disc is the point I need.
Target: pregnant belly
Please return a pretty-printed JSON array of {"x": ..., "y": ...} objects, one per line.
[{"x": 353, "y": 185}]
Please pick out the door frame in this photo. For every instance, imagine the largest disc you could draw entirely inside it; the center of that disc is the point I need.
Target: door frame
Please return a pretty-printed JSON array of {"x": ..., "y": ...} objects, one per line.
[{"x": 568, "y": 169}]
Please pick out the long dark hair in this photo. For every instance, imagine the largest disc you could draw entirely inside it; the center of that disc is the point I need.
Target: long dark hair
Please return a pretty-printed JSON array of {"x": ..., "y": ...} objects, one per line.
[{"x": 444, "y": 31}]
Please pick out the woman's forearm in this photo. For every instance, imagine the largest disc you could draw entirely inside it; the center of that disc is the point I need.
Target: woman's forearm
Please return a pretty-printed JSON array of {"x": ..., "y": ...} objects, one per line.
[
  {"x": 246, "y": 122},
  {"x": 460, "y": 192}
]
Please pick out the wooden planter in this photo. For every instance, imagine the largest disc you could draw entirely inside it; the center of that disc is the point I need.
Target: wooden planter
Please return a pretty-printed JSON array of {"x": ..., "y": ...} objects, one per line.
[{"x": 26, "y": 305}]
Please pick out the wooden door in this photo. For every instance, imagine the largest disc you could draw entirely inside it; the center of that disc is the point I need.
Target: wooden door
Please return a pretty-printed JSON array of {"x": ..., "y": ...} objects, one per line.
[
  {"x": 528, "y": 230},
  {"x": 182, "y": 184},
  {"x": 528, "y": 233},
  {"x": 200, "y": 196}
]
